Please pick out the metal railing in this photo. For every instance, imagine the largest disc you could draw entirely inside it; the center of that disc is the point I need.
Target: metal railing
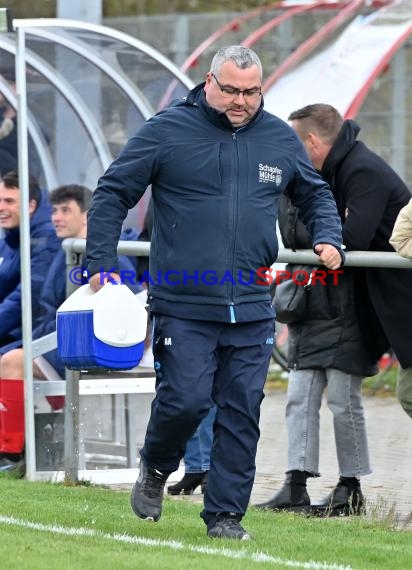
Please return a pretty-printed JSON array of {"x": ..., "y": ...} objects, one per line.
[
  {"x": 353, "y": 258},
  {"x": 75, "y": 248}
]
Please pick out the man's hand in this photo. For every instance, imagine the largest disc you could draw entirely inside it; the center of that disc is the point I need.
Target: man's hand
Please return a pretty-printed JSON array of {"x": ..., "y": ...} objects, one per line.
[
  {"x": 329, "y": 255},
  {"x": 96, "y": 281}
]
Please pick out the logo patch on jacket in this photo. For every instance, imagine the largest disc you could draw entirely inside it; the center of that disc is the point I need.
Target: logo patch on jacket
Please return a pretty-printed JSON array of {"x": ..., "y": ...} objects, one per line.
[{"x": 269, "y": 173}]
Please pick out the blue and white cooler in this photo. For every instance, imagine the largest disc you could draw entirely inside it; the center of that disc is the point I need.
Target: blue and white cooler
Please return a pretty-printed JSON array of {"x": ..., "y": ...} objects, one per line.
[{"x": 106, "y": 329}]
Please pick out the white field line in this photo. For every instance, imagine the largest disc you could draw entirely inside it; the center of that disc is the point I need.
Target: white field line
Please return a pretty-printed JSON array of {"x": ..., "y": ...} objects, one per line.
[{"x": 171, "y": 544}]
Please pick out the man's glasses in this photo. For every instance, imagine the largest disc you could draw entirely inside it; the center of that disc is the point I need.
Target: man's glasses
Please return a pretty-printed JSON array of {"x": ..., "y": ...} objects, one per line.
[{"x": 235, "y": 92}]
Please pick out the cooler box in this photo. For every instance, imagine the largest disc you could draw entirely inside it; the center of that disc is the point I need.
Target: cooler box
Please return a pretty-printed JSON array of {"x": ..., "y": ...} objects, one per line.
[{"x": 106, "y": 329}]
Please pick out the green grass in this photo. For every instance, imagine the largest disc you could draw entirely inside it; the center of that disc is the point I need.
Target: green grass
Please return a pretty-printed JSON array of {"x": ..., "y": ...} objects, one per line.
[
  {"x": 118, "y": 540},
  {"x": 383, "y": 384}
]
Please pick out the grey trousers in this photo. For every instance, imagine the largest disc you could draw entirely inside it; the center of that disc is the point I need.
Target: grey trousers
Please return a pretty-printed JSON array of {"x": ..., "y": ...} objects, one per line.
[
  {"x": 404, "y": 389},
  {"x": 344, "y": 399}
]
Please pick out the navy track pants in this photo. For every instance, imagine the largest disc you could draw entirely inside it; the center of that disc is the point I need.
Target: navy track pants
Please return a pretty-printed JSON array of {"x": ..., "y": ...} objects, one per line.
[{"x": 199, "y": 363}]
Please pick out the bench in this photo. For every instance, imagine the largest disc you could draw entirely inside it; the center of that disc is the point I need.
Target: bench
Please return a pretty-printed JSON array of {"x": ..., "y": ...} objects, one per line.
[{"x": 126, "y": 384}]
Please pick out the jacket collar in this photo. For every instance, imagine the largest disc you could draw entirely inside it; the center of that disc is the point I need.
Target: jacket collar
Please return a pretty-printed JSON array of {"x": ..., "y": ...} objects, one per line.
[{"x": 343, "y": 144}]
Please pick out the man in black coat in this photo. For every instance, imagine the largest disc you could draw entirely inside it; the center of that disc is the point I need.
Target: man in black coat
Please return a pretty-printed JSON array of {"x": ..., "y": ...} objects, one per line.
[{"x": 369, "y": 195}]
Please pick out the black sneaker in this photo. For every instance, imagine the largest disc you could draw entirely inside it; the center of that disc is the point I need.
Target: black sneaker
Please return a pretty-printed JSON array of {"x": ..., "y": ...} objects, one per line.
[
  {"x": 227, "y": 525},
  {"x": 147, "y": 493}
]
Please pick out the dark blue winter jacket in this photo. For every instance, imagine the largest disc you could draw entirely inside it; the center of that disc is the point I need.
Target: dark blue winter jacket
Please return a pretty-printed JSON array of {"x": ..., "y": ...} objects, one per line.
[
  {"x": 215, "y": 196},
  {"x": 43, "y": 247}
]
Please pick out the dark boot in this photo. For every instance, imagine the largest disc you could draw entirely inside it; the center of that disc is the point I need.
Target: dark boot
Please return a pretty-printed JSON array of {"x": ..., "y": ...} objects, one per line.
[
  {"x": 293, "y": 495},
  {"x": 189, "y": 483},
  {"x": 345, "y": 499}
]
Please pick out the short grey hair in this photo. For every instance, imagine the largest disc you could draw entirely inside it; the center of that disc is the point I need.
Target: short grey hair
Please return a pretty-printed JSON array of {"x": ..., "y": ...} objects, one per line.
[{"x": 241, "y": 56}]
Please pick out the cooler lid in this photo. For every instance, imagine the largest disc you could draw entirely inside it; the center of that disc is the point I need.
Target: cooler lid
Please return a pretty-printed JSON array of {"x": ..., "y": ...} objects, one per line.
[
  {"x": 119, "y": 319},
  {"x": 80, "y": 300}
]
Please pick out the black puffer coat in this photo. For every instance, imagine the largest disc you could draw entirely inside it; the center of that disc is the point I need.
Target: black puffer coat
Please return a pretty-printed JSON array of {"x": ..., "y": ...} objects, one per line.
[{"x": 330, "y": 337}]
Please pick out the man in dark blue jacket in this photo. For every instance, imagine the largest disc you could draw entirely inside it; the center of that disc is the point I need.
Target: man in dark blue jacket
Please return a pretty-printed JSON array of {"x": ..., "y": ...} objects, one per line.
[
  {"x": 217, "y": 163},
  {"x": 70, "y": 204}
]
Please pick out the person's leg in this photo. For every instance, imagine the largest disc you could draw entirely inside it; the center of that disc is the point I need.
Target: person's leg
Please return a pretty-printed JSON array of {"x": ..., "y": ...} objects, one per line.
[
  {"x": 193, "y": 458},
  {"x": 50, "y": 367},
  {"x": 194, "y": 474},
  {"x": 185, "y": 365},
  {"x": 0, "y": 408},
  {"x": 404, "y": 389},
  {"x": 344, "y": 394},
  {"x": 205, "y": 440},
  {"x": 185, "y": 370},
  {"x": 12, "y": 365},
  {"x": 304, "y": 399},
  {"x": 305, "y": 389},
  {"x": 1, "y": 415},
  {"x": 197, "y": 458},
  {"x": 11, "y": 409},
  {"x": 244, "y": 355},
  {"x": 12, "y": 425}
]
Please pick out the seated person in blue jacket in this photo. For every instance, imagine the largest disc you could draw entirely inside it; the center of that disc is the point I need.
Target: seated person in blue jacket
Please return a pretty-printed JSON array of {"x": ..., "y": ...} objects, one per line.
[
  {"x": 70, "y": 204},
  {"x": 43, "y": 247}
]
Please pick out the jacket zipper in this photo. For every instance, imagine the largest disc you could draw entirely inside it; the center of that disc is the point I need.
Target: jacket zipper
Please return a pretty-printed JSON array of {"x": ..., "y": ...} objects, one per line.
[{"x": 235, "y": 213}]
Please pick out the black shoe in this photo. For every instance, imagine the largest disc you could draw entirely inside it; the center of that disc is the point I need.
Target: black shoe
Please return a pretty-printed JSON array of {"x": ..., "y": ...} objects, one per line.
[
  {"x": 227, "y": 525},
  {"x": 188, "y": 484},
  {"x": 292, "y": 497},
  {"x": 147, "y": 494},
  {"x": 13, "y": 467},
  {"x": 342, "y": 501}
]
